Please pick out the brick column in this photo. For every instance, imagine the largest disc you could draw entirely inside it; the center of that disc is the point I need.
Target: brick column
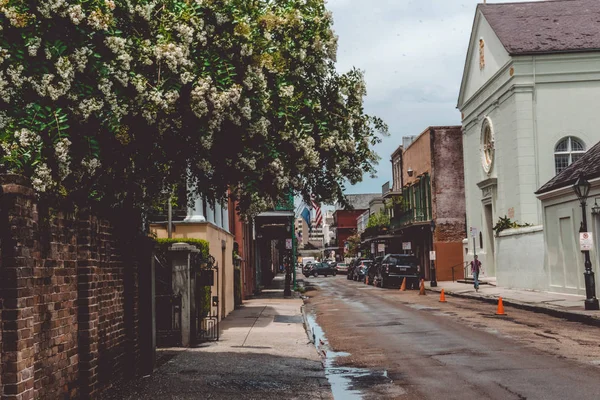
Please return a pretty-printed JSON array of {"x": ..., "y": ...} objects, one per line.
[
  {"x": 18, "y": 232},
  {"x": 87, "y": 313}
]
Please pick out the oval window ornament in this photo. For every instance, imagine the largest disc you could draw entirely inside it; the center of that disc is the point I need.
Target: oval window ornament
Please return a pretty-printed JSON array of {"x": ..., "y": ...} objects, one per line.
[{"x": 487, "y": 145}]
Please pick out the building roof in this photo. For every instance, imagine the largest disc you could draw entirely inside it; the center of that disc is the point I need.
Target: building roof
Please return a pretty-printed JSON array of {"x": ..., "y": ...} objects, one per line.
[
  {"x": 543, "y": 27},
  {"x": 358, "y": 201},
  {"x": 588, "y": 165}
]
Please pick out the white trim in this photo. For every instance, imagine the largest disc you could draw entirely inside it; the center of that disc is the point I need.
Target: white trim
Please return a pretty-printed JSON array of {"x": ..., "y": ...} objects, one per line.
[{"x": 521, "y": 231}]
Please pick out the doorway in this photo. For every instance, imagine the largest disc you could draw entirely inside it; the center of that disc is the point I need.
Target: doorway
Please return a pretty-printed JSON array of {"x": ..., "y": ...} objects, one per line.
[{"x": 489, "y": 267}]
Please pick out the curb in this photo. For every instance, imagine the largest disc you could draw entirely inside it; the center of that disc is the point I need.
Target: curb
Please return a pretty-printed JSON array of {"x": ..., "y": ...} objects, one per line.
[{"x": 554, "y": 312}]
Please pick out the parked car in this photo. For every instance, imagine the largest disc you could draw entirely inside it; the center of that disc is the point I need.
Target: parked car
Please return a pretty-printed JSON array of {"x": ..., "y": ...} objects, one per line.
[
  {"x": 342, "y": 268},
  {"x": 395, "y": 267},
  {"x": 307, "y": 267},
  {"x": 316, "y": 269},
  {"x": 373, "y": 269},
  {"x": 360, "y": 270}
]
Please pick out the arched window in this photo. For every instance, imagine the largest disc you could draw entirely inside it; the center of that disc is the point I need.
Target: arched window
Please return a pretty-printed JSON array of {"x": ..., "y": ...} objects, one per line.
[{"x": 567, "y": 151}]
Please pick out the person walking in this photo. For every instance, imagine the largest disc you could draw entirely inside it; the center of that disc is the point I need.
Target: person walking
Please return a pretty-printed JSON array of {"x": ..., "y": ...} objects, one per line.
[{"x": 475, "y": 270}]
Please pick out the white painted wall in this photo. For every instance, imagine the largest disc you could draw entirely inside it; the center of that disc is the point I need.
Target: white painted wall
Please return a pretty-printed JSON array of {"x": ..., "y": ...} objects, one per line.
[
  {"x": 520, "y": 255},
  {"x": 564, "y": 260}
]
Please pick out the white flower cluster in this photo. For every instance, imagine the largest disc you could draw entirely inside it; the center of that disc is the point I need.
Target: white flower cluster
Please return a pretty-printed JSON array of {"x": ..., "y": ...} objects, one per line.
[
  {"x": 88, "y": 106},
  {"x": 173, "y": 54},
  {"x": 91, "y": 165},
  {"x": 42, "y": 178},
  {"x": 118, "y": 46},
  {"x": 286, "y": 91},
  {"x": 27, "y": 139},
  {"x": 76, "y": 14},
  {"x": 198, "y": 97},
  {"x": 61, "y": 149},
  {"x": 33, "y": 46}
]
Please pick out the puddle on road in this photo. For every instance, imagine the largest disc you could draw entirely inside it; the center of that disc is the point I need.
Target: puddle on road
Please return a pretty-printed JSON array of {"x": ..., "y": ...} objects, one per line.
[{"x": 346, "y": 382}]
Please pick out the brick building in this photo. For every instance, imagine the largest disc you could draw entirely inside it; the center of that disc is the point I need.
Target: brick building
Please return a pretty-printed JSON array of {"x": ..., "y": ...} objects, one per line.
[
  {"x": 344, "y": 220},
  {"x": 432, "y": 187}
]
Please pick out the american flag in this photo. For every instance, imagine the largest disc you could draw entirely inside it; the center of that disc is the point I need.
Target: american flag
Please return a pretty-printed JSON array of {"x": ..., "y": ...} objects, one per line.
[{"x": 318, "y": 214}]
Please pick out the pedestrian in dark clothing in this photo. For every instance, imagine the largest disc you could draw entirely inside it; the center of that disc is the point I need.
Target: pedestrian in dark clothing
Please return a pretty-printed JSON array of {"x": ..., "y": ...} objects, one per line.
[{"x": 475, "y": 270}]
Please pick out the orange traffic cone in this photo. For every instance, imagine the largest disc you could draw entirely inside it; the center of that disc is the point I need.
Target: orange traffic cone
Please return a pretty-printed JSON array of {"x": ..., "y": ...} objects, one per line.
[
  {"x": 403, "y": 286},
  {"x": 500, "y": 310},
  {"x": 367, "y": 280},
  {"x": 422, "y": 289},
  {"x": 442, "y": 297}
]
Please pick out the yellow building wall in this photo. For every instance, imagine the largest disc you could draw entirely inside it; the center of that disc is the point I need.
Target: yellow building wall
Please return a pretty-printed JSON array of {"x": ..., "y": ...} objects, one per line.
[{"x": 220, "y": 247}]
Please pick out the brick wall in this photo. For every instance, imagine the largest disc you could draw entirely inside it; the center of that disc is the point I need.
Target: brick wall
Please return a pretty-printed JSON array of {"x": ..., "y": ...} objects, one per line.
[
  {"x": 448, "y": 191},
  {"x": 69, "y": 298}
]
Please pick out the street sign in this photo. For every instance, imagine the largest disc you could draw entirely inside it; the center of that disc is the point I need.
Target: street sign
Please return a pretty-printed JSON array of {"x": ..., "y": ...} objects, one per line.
[
  {"x": 586, "y": 241},
  {"x": 406, "y": 245},
  {"x": 359, "y": 254},
  {"x": 474, "y": 231},
  {"x": 432, "y": 255},
  {"x": 372, "y": 248},
  {"x": 288, "y": 244},
  {"x": 381, "y": 248}
]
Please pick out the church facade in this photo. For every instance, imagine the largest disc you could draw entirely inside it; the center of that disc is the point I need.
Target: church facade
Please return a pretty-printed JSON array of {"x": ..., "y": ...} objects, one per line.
[{"x": 529, "y": 105}]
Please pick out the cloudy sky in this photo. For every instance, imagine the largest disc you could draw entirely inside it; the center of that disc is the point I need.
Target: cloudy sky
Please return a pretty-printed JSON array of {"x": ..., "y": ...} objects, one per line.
[{"x": 413, "y": 54}]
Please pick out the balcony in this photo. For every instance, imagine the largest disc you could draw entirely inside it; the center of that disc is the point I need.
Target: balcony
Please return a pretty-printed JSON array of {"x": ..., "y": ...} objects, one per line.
[
  {"x": 410, "y": 217},
  {"x": 374, "y": 231}
]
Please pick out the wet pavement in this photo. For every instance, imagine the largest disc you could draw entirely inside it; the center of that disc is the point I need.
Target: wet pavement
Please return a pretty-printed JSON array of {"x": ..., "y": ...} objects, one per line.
[
  {"x": 264, "y": 353},
  {"x": 385, "y": 344}
]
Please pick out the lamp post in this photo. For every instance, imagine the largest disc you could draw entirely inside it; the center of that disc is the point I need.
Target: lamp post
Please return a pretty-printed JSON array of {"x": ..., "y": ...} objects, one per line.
[
  {"x": 287, "y": 290},
  {"x": 433, "y": 277},
  {"x": 582, "y": 190}
]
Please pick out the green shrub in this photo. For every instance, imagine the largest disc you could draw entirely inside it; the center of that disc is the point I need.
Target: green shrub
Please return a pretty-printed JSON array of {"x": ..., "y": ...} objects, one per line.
[{"x": 200, "y": 244}]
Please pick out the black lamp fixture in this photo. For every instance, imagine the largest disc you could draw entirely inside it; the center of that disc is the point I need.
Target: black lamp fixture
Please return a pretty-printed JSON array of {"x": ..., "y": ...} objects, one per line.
[
  {"x": 596, "y": 208},
  {"x": 410, "y": 172},
  {"x": 582, "y": 190}
]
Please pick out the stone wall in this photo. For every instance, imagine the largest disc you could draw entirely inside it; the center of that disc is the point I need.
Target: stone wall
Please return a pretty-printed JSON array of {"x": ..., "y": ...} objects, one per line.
[{"x": 69, "y": 299}]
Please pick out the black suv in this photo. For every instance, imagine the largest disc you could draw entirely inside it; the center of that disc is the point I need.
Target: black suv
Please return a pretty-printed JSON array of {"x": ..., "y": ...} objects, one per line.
[
  {"x": 316, "y": 269},
  {"x": 395, "y": 267}
]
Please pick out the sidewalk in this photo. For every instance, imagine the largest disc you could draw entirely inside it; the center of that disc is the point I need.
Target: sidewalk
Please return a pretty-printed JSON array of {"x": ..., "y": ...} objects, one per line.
[
  {"x": 560, "y": 305},
  {"x": 263, "y": 353}
]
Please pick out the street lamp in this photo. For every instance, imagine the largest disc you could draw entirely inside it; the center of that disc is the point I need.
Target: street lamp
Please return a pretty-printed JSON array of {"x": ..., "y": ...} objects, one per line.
[
  {"x": 582, "y": 190},
  {"x": 433, "y": 277}
]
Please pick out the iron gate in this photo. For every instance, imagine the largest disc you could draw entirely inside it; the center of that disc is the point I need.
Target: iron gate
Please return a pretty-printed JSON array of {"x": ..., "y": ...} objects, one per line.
[{"x": 168, "y": 306}]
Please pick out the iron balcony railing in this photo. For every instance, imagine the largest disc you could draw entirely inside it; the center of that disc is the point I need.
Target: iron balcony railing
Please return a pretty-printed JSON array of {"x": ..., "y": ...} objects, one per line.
[
  {"x": 410, "y": 217},
  {"x": 374, "y": 231}
]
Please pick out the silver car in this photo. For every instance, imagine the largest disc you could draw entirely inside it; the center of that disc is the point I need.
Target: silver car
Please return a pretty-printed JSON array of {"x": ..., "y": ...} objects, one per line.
[{"x": 342, "y": 268}]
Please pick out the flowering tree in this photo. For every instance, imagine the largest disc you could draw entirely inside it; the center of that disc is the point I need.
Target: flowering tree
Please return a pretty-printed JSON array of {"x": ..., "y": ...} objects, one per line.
[{"x": 116, "y": 100}]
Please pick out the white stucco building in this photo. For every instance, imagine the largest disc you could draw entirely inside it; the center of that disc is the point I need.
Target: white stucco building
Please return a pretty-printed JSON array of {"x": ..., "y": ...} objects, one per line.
[
  {"x": 562, "y": 213},
  {"x": 529, "y": 104}
]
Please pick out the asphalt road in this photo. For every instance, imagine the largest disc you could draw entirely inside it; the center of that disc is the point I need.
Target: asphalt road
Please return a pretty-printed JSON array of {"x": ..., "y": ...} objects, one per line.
[{"x": 418, "y": 348}]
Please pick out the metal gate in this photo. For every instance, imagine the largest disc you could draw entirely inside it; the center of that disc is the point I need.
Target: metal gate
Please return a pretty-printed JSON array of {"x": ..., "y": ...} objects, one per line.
[
  {"x": 207, "y": 305},
  {"x": 168, "y": 305}
]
